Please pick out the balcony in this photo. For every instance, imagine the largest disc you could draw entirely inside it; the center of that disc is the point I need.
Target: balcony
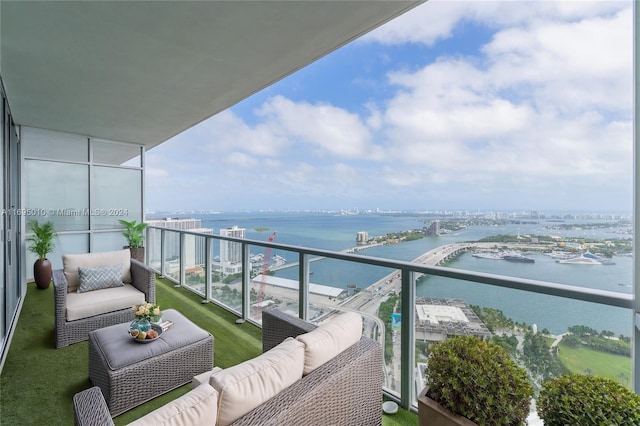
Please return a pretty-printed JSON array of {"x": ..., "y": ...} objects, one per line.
[
  {"x": 192, "y": 261},
  {"x": 38, "y": 381}
]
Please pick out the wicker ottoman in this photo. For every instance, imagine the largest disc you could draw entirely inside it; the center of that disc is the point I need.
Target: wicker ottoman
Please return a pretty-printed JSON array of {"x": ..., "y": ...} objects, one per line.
[{"x": 130, "y": 373}]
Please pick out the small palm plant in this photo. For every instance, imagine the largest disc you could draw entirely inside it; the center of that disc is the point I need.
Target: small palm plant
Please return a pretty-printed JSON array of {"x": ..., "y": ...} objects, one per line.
[
  {"x": 41, "y": 243},
  {"x": 133, "y": 232}
]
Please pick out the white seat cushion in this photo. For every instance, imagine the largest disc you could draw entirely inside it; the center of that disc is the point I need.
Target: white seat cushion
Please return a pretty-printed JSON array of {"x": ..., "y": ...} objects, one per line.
[
  {"x": 85, "y": 305},
  {"x": 245, "y": 386},
  {"x": 329, "y": 339},
  {"x": 71, "y": 263},
  {"x": 197, "y": 407}
]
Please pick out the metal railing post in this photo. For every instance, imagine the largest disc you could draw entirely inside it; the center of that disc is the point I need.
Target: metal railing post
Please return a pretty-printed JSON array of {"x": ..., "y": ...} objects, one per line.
[
  {"x": 303, "y": 291},
  {"x": 162, "y": 245},
  {"x": 246, "y": 283},
  {"x": 207, "y": 270},
  {"x": 635, "y": 349},
  {"x": 182, "y": 263},
  {"x": 407, "y": 342}
]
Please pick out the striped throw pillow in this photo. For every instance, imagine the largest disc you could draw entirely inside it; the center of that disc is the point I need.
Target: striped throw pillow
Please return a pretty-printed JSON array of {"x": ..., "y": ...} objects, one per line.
[{"x": 99, "y": 277}]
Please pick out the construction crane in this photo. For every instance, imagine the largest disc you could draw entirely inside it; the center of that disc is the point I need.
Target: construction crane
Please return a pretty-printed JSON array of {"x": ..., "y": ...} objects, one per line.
[{"x": 263, "y": 278}]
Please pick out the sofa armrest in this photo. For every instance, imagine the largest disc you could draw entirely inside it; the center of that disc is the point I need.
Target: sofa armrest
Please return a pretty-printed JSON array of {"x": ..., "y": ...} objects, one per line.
[
  {"x": 60, "y": 289},
  {"x": 90, "y": 408},
  {"x": 144, "y": 279},
  {"x": 344, "y": 391},
  {"x": 277, "y": 326}
]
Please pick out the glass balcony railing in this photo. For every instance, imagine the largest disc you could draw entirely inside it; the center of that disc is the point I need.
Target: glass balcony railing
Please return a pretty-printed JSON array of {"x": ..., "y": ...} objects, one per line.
[{"x": 397, "y": 299}]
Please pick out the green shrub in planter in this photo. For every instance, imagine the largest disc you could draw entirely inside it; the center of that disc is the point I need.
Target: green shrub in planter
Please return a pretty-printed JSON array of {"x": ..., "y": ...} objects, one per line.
[
  {"x": 479, "y": 381},
  {"x": 576, "y": 399}
]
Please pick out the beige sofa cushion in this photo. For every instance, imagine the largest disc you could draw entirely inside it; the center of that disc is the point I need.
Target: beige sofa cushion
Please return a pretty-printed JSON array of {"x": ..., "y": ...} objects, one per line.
[
  {"x": 85, "y": 305},
  {"x": 245, "y": 386},
  {"x": 71, "y": 262},
  {"x": 329, "y": 339},
  {"x": 197, "y": 407}
]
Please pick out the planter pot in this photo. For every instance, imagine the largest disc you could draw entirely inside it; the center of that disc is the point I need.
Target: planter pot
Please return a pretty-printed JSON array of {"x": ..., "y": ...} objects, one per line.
[
  {"x": 42, "y": 273},
  {"x": 136, "y": 253},
  {"x": 430, "y": 413}
]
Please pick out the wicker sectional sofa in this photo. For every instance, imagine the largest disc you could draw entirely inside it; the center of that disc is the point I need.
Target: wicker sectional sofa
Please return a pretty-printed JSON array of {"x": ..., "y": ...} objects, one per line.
[{"x": 346, "y": 389}]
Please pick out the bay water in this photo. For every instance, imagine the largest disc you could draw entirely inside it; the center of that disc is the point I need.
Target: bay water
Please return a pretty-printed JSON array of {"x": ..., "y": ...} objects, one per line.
[{"x": 338, "y": 232}]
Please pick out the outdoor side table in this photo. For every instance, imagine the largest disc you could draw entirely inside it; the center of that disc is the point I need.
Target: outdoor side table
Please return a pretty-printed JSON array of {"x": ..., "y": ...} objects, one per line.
[{"x": 130, "y": 373}]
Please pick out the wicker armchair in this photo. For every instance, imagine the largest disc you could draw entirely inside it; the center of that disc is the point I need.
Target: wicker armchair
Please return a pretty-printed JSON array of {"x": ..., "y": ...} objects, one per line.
[
  {"x": 68, "y": 332},
  {"x": 346, "y": 390}
]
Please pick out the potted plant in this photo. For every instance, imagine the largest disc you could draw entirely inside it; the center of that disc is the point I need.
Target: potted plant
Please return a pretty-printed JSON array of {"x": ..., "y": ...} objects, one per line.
[
  {"x": 574, "y": 399},
  {"x": 134, "y": 233},
  {"x": 41, "y": 243},
  {"x": 470, "y": 381}
]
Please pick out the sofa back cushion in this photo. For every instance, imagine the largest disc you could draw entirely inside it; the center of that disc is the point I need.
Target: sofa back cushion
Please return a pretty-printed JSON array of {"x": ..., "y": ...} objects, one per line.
[
  {"x": 197, "y": 407},
  {"x": 71, "y": 263},
  {"x": 245, "y": 386},
  {"x": 329, "y": 339}
]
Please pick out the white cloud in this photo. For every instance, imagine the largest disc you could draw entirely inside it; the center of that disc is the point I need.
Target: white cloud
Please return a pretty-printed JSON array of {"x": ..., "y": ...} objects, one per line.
[
  {"x": 534, "y": 107},
  {"x": 239, "y": 159},
  {"x": 329, "y": 129},
  {"x": 226, "y": 132},
  {"x": 440, "y": 19},
  {"x": 542, "y": 111}
]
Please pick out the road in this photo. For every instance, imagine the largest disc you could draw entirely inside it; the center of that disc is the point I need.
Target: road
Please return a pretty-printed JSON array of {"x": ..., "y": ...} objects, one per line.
[{"x": 367, "y": 301}]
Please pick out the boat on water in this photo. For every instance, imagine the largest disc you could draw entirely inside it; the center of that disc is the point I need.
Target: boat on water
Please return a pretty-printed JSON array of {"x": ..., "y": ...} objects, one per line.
[
  {"x": 587, "y": 259},
  {"x": 560, "y": 255},
  {"x": 580, "y": 260},
  {"x": 488, "y": 255},
  {"x": 517, "y": 257},
  {"x": 510, "y": 255}
]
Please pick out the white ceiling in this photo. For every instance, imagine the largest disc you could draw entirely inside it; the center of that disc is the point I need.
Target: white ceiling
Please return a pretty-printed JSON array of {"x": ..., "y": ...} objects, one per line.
[{"x": 145, "y": 71}]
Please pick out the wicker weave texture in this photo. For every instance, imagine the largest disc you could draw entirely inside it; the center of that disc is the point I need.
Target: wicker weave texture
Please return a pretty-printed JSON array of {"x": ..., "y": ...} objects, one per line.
[
  {"x": 69, "y": 332},
  {"x": 345, "y": 391},
  {"x": 87, "y": 409},
  {"x": 135, "y": 384},
  {"x": 277, "y": 326}
]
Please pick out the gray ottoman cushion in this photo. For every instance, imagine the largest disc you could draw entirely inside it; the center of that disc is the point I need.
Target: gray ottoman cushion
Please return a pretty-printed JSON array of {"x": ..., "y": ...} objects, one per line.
[{"x": 120, "y": 351}]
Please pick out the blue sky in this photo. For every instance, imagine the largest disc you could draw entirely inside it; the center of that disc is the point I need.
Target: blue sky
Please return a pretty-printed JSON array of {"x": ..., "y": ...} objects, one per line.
[{"x": 454, "y": 105}]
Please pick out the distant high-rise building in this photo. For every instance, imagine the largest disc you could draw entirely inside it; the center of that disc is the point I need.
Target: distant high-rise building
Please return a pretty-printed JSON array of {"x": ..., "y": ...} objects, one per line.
[
  {"x": 231, "y": 252},
  {"x": 195, "y": 253},
  {"x": 362, "y": 237},
  {"x": 434, "y": 228}
]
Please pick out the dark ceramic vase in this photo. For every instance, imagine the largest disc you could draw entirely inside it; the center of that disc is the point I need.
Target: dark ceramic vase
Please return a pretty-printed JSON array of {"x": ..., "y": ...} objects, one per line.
[{"x": 42, "y": 273}]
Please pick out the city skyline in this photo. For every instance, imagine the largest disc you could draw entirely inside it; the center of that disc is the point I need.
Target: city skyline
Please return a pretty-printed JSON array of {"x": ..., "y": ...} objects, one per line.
[{"x": 454, "y": 105}]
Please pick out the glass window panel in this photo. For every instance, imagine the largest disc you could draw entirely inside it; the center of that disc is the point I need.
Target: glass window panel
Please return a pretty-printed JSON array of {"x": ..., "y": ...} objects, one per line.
[
  {"x": 54, "y": 145},
  {"x": 226, "y": 278},
  {"x": 108, "y": 241},
  {"x": 275, "y": 281},
  {"x": 153, "y": 247},
  {"x": 548, "y": 335},
  {"x": 58, "y": 192},
  {"x": 117, "y": 153},
  {"x": 117, "y": 194},
  {"x": 63, "y": 244},
  {"x": 172, "y": 255},
  {"x": 195, "y": 262}
]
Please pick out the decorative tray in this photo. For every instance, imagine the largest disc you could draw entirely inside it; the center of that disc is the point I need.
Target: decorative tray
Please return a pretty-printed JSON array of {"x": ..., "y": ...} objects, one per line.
[{"x": 155, "y": 330}]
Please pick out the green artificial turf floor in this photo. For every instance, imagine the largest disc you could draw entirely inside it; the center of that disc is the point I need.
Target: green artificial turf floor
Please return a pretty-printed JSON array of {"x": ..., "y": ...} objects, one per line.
[{"x": 38, "y": 381}]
